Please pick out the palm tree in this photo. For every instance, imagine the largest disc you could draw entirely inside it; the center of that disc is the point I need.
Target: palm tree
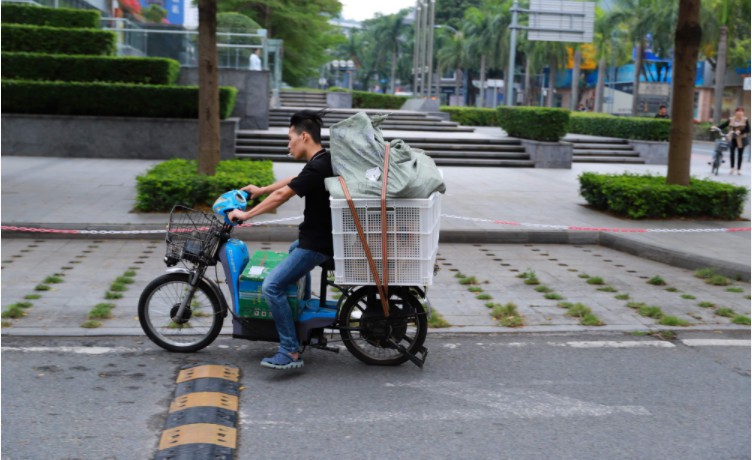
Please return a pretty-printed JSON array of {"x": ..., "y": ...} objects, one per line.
[
  {"x": 551, "y": 54},
  {"x": 485, "y": 34},
  {"x": 452, "y": 55}
]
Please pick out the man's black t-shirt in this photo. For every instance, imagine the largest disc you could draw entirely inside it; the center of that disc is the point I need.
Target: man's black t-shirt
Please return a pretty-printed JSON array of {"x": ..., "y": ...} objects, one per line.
[{"x": 316, "y": 229}]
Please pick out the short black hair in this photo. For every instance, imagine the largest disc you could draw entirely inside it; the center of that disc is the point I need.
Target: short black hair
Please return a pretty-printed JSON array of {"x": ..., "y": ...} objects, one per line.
[
  {"x": 309, "y": 121},
  {"x": 662, "y": 107}
]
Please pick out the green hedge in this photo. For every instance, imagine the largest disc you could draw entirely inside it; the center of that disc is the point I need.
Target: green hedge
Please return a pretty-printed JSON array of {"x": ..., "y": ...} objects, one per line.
[
  {"x": 701, "y": 131},
  {"x": 650, "y": 197},
  {"x": 56, "y": 40},
  {"x": 108, "y": 99},
  {"x": 55, "y": 17},
  {"x": 60, "y": 67},
  {"x": 637, "y": 128},
  {"x": 536, "y": 123},
  {"x": 177, "y": 182},
  {"x": 472, "y": 116}
]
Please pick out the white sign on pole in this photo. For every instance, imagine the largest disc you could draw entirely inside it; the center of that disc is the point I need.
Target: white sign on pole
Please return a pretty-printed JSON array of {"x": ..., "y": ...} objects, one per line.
[{"x": 561, "y": 21}]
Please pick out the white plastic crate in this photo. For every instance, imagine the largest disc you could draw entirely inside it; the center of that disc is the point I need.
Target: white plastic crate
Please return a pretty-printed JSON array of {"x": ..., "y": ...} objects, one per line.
[{"x": 412, "y": 240}]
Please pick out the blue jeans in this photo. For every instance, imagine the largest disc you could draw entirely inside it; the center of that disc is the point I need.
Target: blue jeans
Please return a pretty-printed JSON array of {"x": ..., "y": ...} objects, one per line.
[{"x": 298, "y": 264}]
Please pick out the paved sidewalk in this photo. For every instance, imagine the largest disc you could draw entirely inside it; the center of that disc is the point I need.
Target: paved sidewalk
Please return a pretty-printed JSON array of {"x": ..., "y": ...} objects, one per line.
[{"x": 99, "y": 194}]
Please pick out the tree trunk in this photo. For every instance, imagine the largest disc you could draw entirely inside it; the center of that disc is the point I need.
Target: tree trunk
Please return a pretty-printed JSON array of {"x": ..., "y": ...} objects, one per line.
[
  {"x": 208, "y": 88},
  {"x": 637, "y": 72},
  {"x": 528, "y": 90},
  {"x": 393, "y": 71},
  {"x": 720, "y": 75},
  {"x": 600, "y": 86},
  {"x": 686, "y": 50},
  {"x": 551, "y": 84},
  {"x": 574, "y": 93},
  {"x": 482, "y": 98},
  {"x": 457, "y": 84}
]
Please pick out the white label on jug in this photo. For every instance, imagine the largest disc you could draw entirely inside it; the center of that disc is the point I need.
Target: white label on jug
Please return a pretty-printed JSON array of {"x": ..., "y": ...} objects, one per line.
[{"x": 256, "y": 271}]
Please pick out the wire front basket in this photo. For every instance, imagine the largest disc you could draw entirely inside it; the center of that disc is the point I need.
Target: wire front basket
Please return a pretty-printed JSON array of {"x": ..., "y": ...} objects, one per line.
[{"x": 192, "y": 236}]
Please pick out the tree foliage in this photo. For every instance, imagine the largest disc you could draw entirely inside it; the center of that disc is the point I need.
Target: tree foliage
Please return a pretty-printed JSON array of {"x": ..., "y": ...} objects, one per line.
[{"x": 304, "y": 27}]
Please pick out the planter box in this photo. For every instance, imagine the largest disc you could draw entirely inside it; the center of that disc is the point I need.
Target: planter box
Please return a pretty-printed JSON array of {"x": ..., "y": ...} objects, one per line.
[
  {"x": 552, "y": 155},
  {"x": 338, "y": 100},
  {"x": 653, "y": 152},
  {"x": 252, "y": 104},
  {"x": 108, "y": 137}
]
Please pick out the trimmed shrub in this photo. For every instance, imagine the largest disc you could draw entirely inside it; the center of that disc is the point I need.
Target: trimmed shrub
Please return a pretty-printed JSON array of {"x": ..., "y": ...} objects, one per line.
[
  {"x": 637, "y": 128},
  {"x": 701, "y": 131},
  {"x": 55, "y": 17},
  {"x": 177, "y": 182},
  {"x": 646, "y": 196},
  {"x": 56, "y": 40},
  {"x": 536, "y": 123},
  {"x": 472, "y": 116},
  {"x": 108, "y": 99},
  {"x": 59, "y": 67}
]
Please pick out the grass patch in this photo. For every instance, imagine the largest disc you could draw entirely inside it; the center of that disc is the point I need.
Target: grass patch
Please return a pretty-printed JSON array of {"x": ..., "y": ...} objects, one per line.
[
  {"x": 91, "y": 324},
  {"x": 595, "y": 280},
  {"x": 725, "y": 312},
  {"x": 491, "y": 304},
  {"x": 741, "y": 319},
  {"x": 507, "y": 315},
  {"x": 621, "y": 297},
  {"x": 608, "y": 289},
  {"x": 124, "y": 280},
  {"x": 738, "y": 290},
  {"x": 591, "y": 320},
  {"x": 530, "y": 277},
  {"x": 118, "y": 287},
  {"x": 101, "y": 311},
  {"x": 553, "y": 296},
  {"x": 706, "y": 305},
  {"x": 565, "y": 305},
  {"x": 53, "y": 280},
  {"x": 583, "y": 275},
  {"x": 41, "y": 287},
  {"x": 672, "y": 321},
  {"x": 32, "y": 296},
  {"x": 543, "y": 289},
  {"x": 475, "y": 289},
  {"x": 705, "y": 273},
  {"x": 468, "y": 280},
  {"x": 639, "y": 333},
  {"x": 578, "y": 310},
  {"x": 109, "y": 295},
  {"x": 657, "y": 281},
  {"x": 7, "y": 324},
  {"x": 671, "y": 289},
  {"x": 688, "y": 296},
  {"x": 14, "y": 312},
  {"x": 437, "y": 321},
  {"x": 664, "y": 335},
  {"x": 24, "y": 304},
  {"x": 635, "y": 305},
  {"x": 130, "y": 273},
  {"x": 484, "y": 296},
  {"x": 650, "y": 311},
  {"x": 718, "y": 280}
]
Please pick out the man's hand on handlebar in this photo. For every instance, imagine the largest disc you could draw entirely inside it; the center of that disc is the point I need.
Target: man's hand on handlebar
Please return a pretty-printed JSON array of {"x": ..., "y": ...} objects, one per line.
[
  {"x": 237, "y": 216},
  {"x": 252, "y": 190}
]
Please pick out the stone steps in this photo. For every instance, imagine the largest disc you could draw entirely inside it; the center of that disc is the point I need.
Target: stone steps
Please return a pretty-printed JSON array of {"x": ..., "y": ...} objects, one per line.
[
  {"x": 445, "y": 152},
  {"x": 602, "y": 150}
]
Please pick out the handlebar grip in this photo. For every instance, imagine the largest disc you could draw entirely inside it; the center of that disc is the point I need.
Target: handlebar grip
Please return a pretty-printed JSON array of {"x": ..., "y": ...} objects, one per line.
[{"x": 247, "y": 194}]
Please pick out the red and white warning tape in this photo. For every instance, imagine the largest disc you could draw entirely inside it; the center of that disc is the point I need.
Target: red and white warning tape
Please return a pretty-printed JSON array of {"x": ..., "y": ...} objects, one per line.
[{"x": 449, "y": 216}]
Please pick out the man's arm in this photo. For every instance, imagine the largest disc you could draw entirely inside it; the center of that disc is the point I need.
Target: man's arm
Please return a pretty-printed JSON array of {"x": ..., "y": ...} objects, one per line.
[
  {"x": 257, "y": 191},
  {"x": 272, "y": 202}
]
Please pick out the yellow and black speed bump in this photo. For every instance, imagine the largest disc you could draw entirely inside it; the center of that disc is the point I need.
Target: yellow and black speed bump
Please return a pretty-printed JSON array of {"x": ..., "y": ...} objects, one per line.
[{"x": 203, "y": 417}]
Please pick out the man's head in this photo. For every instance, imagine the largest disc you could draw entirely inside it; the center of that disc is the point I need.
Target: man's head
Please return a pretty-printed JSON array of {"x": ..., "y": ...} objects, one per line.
[
  {"x": 662, "y": 110},
  {"x": 305, "y": 134}
]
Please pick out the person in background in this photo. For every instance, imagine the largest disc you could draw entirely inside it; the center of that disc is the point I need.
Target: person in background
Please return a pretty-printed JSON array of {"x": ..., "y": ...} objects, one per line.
[
  {"x": 662, "y": 112},
  {"x": 738, "y": 138},
  {"x": 255, "y": 59}
]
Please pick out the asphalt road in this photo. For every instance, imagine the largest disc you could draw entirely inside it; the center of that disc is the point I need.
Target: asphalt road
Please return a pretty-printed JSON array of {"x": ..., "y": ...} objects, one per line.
[{"x": 515, "y": 396}]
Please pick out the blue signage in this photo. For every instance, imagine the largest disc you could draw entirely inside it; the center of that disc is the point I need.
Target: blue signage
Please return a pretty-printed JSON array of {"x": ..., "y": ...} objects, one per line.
[{"x": 174, "y": 8}]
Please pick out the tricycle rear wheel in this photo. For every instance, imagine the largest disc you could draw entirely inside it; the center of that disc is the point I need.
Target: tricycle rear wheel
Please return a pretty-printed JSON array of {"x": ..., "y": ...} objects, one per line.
[{"x": 373, "y": 338}]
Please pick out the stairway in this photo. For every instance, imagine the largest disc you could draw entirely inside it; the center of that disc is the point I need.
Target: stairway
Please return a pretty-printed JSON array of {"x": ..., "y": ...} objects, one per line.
[
  {"x": 288, "y": 98},
  {"x": 504, "y": 152},
  {"x": 398, "y": 119},
  {"x": 591, "y": 149}
]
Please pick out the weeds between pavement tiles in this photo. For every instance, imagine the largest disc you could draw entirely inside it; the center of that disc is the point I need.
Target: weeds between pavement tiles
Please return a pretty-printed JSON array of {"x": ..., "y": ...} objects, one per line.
[
  {"x": 18, "y": 309},
  {"x": 507, "y": 315},
  {"x": 104, "y": 310},
  {"x": 652, "y": 311}
]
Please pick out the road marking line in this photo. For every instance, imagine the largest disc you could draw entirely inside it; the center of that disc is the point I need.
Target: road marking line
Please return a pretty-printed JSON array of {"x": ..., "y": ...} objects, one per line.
[
  {"x": 620, "y": 344},
  {"x": 78, "y": 350},
  {"x": 716, "y": 343}
]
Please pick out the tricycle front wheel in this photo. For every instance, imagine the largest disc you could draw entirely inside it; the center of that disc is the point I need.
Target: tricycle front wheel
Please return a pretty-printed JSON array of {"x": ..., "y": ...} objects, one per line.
[{"x": 195, "y": 329}]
